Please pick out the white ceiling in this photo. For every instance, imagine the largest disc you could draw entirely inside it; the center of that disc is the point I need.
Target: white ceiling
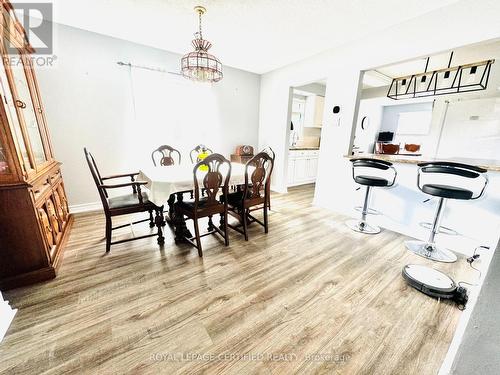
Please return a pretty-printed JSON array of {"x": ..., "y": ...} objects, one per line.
[{"x": 254, "y": 35}]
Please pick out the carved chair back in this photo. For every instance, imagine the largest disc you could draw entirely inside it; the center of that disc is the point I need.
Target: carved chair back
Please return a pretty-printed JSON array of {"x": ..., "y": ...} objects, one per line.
[
  {"x": 214, "y": 172},
  {"x": 164, "y": 155},
  {"x": 257, "y": 182},
  {"x": 193, "y": 154},
  {"x": 268, "y": 150},
  {"x": 97, "y": 178}
]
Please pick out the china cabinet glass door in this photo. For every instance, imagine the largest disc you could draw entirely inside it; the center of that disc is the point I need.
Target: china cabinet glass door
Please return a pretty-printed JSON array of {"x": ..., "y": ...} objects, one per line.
[
  {"x": 22, "y": 99},
  {"x": 10, "y": 111}
]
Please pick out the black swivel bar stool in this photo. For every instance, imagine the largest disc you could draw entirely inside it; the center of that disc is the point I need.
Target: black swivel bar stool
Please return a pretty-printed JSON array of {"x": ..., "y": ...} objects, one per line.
[
  {"x": 430, "y": 172},
  {"x": 364, "y": 172}
]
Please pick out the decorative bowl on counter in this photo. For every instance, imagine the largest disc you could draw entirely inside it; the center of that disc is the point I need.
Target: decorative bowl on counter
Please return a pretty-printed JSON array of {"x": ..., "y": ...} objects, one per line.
[
  {"x": 412, "y": 147},
  {"x": 387, "y": 148}
]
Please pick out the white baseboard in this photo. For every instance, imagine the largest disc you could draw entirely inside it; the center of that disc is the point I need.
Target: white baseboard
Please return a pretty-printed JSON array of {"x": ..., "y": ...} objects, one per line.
[
  {"x": 279, "y": 189},
  {"x": 86, "y": 207}
]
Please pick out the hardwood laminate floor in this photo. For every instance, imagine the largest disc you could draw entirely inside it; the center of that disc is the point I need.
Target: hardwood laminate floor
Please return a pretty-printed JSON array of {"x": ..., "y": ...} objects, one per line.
[{"x": 309, "y": 297}]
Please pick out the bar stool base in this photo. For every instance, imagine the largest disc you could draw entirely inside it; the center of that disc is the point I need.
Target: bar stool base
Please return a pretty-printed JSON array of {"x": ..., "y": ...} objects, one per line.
[
  {"x": 362, "y": 226},
  {"x": 431, "y": 251}
]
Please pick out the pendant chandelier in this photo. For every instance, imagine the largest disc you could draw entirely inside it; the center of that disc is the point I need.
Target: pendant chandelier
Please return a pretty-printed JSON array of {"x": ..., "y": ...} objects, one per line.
[
  {"x": 200, "y": 65},
  {"x": 450, "y": 80}
]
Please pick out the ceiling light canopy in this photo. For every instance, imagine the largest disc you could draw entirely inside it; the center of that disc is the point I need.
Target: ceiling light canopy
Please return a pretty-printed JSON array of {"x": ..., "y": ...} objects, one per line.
[
  {"x": 450, "y": 80},
  {"x": 200, "y": 65}
]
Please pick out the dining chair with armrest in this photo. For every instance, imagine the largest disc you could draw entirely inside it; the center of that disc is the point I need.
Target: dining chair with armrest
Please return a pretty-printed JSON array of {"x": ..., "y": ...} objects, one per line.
[
  {"x": 137, "y": 201},
  {"x": 214, "y": 172}
]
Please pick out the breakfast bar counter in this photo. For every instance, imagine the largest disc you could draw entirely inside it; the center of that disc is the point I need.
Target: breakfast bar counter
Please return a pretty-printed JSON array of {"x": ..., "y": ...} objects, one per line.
[
  {"x": 488, "y": 164},
  {"x": 404, "y": 207}
]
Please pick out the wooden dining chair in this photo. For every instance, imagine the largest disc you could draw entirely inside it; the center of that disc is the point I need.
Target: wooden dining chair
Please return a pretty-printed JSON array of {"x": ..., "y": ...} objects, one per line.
[
  {"x": 164, "y": 154},
  {"x": 214, "y": 171},
  {"x": 268, "y": 150},
  {"x": 253, "y": 195},
  {"x": 137, "y": 201},
  {"x": 193, "y": 154}
]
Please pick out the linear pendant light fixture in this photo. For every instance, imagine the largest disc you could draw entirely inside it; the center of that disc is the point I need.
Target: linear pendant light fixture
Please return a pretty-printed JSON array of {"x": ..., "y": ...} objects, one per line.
[
  {"x": 450, "y": 80},
  {"x": 200, "y": 65}
]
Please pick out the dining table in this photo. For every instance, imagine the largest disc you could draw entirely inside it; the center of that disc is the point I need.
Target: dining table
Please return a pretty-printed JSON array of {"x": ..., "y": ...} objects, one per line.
[{"x": 166, "y": 184}]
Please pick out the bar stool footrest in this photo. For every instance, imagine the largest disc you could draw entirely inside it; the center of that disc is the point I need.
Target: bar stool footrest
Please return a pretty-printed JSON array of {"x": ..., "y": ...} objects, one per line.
[
  {"x": 370, "y": 211},
  {"x": 442, "y": 229}
]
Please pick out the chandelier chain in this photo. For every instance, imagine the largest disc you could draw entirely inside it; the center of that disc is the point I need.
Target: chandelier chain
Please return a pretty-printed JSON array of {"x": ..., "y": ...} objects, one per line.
[{"x": 199, "y": 23}]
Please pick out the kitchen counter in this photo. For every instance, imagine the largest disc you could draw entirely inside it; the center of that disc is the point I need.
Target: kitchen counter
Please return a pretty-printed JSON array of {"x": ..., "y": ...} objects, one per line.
[
  {"x": 488, "y": 164},
  {"x": 302, "y": 148}
]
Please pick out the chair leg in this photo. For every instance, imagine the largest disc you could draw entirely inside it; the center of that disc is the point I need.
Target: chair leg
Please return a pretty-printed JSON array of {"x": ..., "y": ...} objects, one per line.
[
  {"x": 108, "y": 234},
  {"x": 266, "y": 227},
  {"x": 245, "y": 222},
  {"x": 210, "y": 224},
  {"x": 226, "y": 238},
  {"x": 197, "y": 235},
  {"x": 151, "y": 219},
  {"x": 268, "y": 200},
  {"x": 223, "y": 221},
  {"x": 170, "y": 202},
  {"x": 159, "y": 224}
]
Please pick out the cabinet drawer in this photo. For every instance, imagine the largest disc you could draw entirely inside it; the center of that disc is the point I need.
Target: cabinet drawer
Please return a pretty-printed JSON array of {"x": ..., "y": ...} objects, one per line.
[
  {"x": 45, "y": 183},
  {"x": 297, "y": 153},
  {"x": 41, "y": 188},
  {"x": 303, "y": 153},
  {"x": 55, "y": 177}
]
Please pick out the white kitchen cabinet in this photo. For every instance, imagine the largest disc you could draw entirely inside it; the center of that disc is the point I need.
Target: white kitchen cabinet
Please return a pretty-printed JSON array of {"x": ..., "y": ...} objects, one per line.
[
  {"x": 312, "y": 168},
  {"x": 300, "y": 170},
  {"x": 302, "y": 167}
]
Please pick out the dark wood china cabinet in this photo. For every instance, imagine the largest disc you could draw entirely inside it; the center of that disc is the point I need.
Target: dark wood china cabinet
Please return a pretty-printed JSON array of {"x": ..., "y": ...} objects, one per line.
[{"x": 34, "y": 215}]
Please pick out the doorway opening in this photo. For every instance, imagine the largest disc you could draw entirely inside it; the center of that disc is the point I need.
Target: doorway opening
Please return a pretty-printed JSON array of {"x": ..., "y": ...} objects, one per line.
[{"x": 306, "y": 112}]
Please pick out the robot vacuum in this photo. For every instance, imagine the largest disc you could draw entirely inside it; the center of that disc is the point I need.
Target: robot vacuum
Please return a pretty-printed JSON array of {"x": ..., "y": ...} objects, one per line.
[{"x": 435, "y": 283}]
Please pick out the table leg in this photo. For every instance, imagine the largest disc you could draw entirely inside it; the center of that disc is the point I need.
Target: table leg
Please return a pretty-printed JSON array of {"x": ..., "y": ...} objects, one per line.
[
  {"x": 181, "y": 230},
  {"x": 170, "y": 215}
]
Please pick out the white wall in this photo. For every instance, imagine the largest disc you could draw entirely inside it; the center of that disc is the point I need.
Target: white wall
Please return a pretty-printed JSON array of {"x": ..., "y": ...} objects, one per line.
[
  {"x": 88, "y": 102},
  {"x": 382, "y": 113},
  {"x": 472, "y": 129}
]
